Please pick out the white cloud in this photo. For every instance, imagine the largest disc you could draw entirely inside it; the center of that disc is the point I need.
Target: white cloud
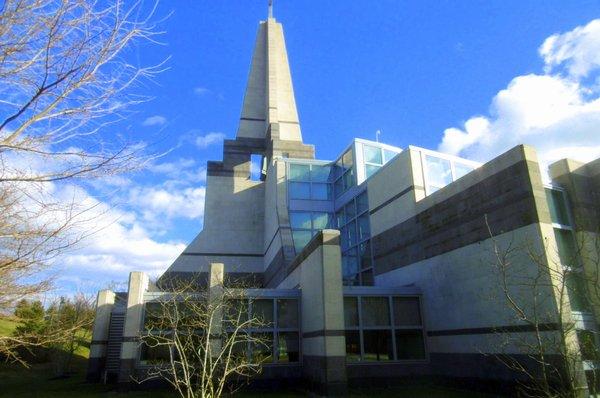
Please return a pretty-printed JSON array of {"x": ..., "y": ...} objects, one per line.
[
  {"x": 204, "y": 141},
  {"x": 158, "y": 203},
  {"x": 557, "y": 113},
  {"x": 155, "y": 120},
  {"x": 201, "y": 90}
]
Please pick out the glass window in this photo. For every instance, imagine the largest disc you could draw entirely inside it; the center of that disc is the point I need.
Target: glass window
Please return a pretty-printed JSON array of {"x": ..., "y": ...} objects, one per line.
[
  {"x": 558, "y": 207},
  {"x": 153, "y": 316},
  {"x": 350, "y": 210},
  {"x": 235, "y": 309},
  {"x": 287, "y": 313},
  {"x": 299, "y": 190},
  {"x": 388, "y": 155},
  {"x": 587, "y": 345},
  {"x": 155, "y": 354},
  {"x": 372, "y": 154},
  {"x": 349, "y": 263},
  {"x": 409, "y": 344},
  {"x": 350, "y": 311},
  {"x": 348, "y": 179},
  {"x": 320, "y": 173},
  {"x": 299, "y": 172},
  {"x": 300, "y": 220},
  {"x": 263, "y": 311},
  {"x": 347, "y": 159},
  {"x": 461, "y": 169},
  {"x": 262, "y": 347},
  {"x": 344, "y": 239},
  {"x": 364, "y": 252},
  {"x": 370, "y": 170},
  {"x": 567, "y": 250},
  {"x": 378, "y": 345},
  {"x": 367, "y": 278},
  {"x": 406, "y": 311},
  {"x": 352, "y": 345},
  {"x": 439, "y": 172},
  {"x": 352, "y": 236},
  {"x": 362, "y": 202},
  {"x": 340, "y": 218},
  {"x": 320, "y": 220},
  {"x": 577, "y": 291},
  {"x": 321, "y": 191},
  {"x": 375, "y": 311},
  {"x": 363, "y": 227},
  {"x": 301, "y": 239},
  {"x": 288, "y": 347},
  {"x": 339, "y": 187}
]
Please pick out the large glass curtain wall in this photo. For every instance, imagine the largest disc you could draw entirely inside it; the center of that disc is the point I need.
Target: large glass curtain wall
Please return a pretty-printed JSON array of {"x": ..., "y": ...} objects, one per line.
[
  {"x": 375, "y": 157},
  {"x": 344, "y": 173},
  {"x": 305, "y": 224},
  {"x": 309, "y": 181},
  {"x": 440, "y": 172},
  {"x": 352, "y": 220}
]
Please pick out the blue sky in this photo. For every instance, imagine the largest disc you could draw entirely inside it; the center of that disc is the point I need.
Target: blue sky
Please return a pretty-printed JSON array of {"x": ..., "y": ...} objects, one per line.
[{"x": 470, "y": 78}]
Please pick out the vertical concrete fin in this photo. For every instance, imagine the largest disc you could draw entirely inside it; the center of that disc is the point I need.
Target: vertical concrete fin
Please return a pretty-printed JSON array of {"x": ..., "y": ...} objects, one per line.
[{"x": 269, "y": 99}]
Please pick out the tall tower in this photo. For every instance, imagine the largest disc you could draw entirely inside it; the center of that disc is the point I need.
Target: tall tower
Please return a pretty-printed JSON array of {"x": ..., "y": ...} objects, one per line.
[{"x": 241, "y": 216}]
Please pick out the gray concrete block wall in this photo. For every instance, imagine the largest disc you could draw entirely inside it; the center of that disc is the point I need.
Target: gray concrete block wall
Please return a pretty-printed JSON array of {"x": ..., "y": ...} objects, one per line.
[{"x": 104, "y": 304}]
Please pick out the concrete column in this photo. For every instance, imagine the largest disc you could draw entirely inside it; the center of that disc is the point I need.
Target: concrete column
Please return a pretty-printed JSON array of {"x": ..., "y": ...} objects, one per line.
[
  {"x": 215, "y": 296},
  {"x": 323, "y": 341},
  {"x": 96, "y": 362},
  {"x": 138, "y": 285}
]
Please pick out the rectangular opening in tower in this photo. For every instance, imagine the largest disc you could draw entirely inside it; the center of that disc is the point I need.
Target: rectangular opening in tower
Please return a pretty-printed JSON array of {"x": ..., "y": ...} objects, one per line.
[{"x": 255, "y": 167}]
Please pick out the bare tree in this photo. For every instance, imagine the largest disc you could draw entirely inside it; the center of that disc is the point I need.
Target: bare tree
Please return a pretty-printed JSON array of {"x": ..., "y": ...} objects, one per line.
[
  {"x": 537, "y": 287},
  {"x": 65, "y": 79},
  {"x": 203, "y": 343}
]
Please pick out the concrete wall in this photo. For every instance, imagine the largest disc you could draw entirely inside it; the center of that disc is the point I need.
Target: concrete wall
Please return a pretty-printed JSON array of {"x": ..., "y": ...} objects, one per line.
[{"x": 104, "y": 304}]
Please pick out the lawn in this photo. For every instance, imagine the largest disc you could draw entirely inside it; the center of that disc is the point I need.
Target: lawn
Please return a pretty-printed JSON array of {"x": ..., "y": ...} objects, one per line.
[{"x": 7, "y": 325}]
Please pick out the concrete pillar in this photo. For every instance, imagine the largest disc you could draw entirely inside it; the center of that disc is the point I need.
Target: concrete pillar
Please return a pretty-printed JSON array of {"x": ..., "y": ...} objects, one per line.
[
  {"x": 215, "y": 296},
  {"x": 323, "y": 341},
  {"x": 138, "y": 285},
  {"x": 97, "y": 360}
]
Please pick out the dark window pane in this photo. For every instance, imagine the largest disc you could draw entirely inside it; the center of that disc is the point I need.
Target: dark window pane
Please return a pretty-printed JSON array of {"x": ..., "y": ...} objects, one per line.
[
  {"x": 567, "y": 249},
  {"x": 364, "y": 252},
  {"x": 236, "y": 312},
  {"x": 352, "y": 235},
  {"x": 340, "y": 218},
  {"x": 351, "y": 280},
  {"x": 344, "y": 238},
  {"x": 153, "y": 317},
  {"x": 352, "y": 345},
  {"x": 156, "y": 354},
  {"x": 262, "y": 347},
  {"x": 288, "y": 347},
  {"x": 320, "y": 173},
  {"x": 378, "y": 345},
  {"x": 588, "y": 345},
  {"x": 350, "y": 210},
  {"x": 300, "y": 220},
  {"x": 349, "y": 263},
  {"x": 299, "y": 172},
  {"x": 321, "y": 191},
  {"x": 363, "y": 227},
  {"x": 367, "y": 278},
  {"x": 350, "y": 311},
  {"x": 339, "y": 187},
  {"x": 263, "y": 311},
  {"x": 362, "y": 202},
  {"x": 299, "y": 190},
  {"x": 577, "y": 292},
  {"x": 301, "y": 238},
  {"x": 287, "y": 313},
  {"x": 406, "y": 311},
  {"x": 348, "y": 179},
  {"x": 558, "y": 207},
  {"x": 409, "y": 344},
  {"x": 372, "y": 154},
  {"x": 375, "y": 311},
  {"x": 320, "y": 220}
]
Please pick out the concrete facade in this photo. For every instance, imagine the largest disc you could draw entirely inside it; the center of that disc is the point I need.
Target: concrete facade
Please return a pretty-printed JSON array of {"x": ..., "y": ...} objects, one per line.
[{"x": 393, "y": 254}]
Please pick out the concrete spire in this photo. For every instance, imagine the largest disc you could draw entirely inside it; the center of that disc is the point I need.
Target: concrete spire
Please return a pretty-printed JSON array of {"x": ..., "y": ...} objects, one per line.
[
  {"x": 269, "y": 97},
  {"x": 270, "y": 8}
]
